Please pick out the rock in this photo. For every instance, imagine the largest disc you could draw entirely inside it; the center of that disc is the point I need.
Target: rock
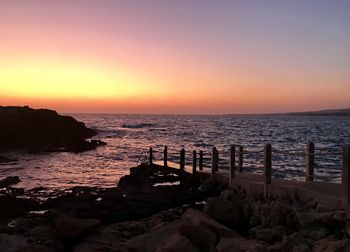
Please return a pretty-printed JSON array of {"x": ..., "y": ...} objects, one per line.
[
  {"x": 239, "y": 244},
  {"x": 315, "y": 218},
  {"x": 206, "y": 186},
  {"x": 6, "y": 182},
  {"x": 114, "y": 236},
  {"x": 69, "y": 227},
  {"x": 263, "y": 234},
  {"x": 13, "y": 207},
  {"x": 163, "y": 239},
  {"x": 330, "y": 244},
  {"x": 16, "y": 243},
  {"x": 298, "y": 239},
  {"x": 225, "y": 212},
  {"x": 202, "y": 237},
  {"x": 12, "y": 243},
  {"x": 228, "y": 195},
  {"x": 301, "y": 248},
  {"x": 199, "y": 218},
  {"x": 42, "y": 130},
  {"x": 4, "y": 159},
  {"x": 319, "y": 233}
]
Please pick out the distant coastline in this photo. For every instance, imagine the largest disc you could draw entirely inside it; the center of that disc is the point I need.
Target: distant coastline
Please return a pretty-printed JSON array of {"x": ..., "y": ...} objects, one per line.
[{"x": 328, "y": 112}]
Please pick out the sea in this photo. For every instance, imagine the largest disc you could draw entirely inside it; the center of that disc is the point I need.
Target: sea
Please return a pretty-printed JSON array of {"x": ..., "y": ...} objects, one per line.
[{"x": 129, "y": 137}]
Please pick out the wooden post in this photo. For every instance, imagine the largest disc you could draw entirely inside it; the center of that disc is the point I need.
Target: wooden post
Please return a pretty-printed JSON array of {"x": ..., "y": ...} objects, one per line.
[
  {"x": 182, "y": 164},
  {"x": 240, "y": 159},
  {"x": 194, "y": 163},
  {"x": 310, "y": 161},
  {"x": 217, "y": 160},
  {"x": 213, "y": 158},
  {"x": 346, "y": 174},
  {"x": 232, "y": 164},
  {"x": 165, "y": 156},
  {"x": 267, "y": 164},
  {"x": 150, "y": 156},
  {"x": 201, "y": 160},
  {"x": 194, "y": 170}
]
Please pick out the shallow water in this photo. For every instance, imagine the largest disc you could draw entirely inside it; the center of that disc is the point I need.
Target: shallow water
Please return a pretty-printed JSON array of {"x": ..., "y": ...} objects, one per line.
[{"x": 128, "y": 136}]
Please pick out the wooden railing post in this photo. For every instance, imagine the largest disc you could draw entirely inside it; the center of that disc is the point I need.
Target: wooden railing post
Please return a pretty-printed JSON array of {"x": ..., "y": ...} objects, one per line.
[
  {"x": 201, "y": 160},
  {"x": 346, "y": 174},
  {"x": 267, "y": 164},
  {"x": 232, "y": 164},
  {"x": 150, "y": 156},
  {"x": 240, "y": 159},
  {"x": 213, "y": 161},
  {"x": 310, "y": 161},
  {"x": 165, "y": 156},
  {"x": 194, "y": 163},
  {"x": 217, "y": 160},
  {"x": 182, "y": 164},
  {"x": 194, "y": 170}
]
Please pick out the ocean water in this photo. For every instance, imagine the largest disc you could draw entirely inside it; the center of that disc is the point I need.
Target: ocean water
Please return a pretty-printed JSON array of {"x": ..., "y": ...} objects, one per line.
[{"x": 128, "y": 136}]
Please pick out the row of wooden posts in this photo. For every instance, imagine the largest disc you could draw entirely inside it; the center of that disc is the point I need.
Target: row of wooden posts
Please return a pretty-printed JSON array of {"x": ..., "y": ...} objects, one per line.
[{"x": 267, "y": 169}]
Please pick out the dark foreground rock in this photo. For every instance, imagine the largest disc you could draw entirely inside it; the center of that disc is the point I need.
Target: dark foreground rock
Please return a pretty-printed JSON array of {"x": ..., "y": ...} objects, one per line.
[{"x": 42, "y": 130}]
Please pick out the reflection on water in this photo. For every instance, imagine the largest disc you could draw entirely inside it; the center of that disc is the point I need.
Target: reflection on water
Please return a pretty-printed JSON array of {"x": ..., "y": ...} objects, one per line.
[{"x": 128, "y": 135}]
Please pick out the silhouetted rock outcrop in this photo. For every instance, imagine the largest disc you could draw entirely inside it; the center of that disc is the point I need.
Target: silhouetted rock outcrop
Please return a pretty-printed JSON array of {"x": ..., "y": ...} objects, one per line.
[{"x": 41, "y": 130}]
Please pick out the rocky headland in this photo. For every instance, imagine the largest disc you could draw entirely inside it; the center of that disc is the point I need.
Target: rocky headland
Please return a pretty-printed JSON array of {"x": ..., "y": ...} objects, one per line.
[
  {"x": 150, "y": 211},
  {"x": 42, "y": 130}
]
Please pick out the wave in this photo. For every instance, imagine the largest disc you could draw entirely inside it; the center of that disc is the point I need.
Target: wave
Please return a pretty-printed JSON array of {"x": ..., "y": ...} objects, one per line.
[{"x": 139, "y": 125}]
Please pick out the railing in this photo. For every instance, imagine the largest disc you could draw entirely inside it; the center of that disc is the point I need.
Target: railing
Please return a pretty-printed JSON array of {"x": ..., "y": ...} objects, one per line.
[{"x": 236, "y": 161}]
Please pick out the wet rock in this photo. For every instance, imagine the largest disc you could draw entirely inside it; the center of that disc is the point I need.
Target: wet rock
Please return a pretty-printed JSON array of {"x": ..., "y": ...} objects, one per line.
[
  {"x": 6, "y": 182},
  {"x": 239, "y": 244},
  {"x": 69, "y": 227},
  {"x": 224, "y": 211}
]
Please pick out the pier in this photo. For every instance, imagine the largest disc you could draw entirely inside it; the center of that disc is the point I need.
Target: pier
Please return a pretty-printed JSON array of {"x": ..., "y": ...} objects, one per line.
[{"x": 330, "y": 195}]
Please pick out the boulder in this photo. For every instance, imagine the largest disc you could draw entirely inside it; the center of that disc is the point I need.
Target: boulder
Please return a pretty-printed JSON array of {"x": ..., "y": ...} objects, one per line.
[
  {"x": 42, "y": 130},
  {"x": 12, "y": 243},
  {"x": 202, "y": 237},
  {"x": 163, "y": 239},
  {"x": 4, "y": 159},
  {"x": 263, "y": 234},
  {"x": 225, "y": 212},
  {"x": 239, "y": 244},
  {"x": 331, "y": 244},
  {"x": 13, "y": 207},
  {"x": 315, "y": 218},
  {"x": 199, "y": 218},
  {"x": 6, "y": 182},
  {"x": 69, "y": 227}
]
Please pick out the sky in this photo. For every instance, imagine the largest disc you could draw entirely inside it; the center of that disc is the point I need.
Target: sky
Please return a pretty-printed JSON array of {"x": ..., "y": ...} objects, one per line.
[{"x": 175, "y": 57}]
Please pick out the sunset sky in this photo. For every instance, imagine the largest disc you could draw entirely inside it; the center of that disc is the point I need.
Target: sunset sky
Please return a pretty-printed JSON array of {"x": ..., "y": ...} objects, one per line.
[{"x": 179, "y": 56}]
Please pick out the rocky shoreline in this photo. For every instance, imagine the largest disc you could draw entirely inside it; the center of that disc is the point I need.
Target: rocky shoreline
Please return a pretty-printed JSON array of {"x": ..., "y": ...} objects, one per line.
[{"x": 150, "y": 211}]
